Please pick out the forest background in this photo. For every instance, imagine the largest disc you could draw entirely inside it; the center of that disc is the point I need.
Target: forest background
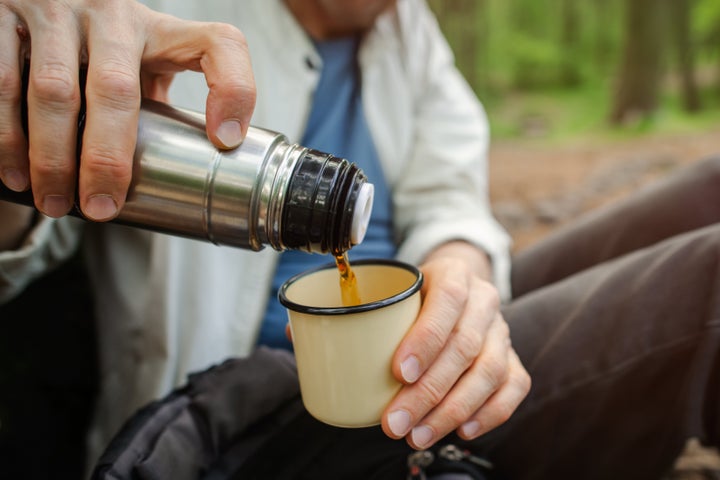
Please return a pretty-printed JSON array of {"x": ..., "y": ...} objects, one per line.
[
  {"x": 564, "y": 67},
  {"x": 589, "y": 100}
]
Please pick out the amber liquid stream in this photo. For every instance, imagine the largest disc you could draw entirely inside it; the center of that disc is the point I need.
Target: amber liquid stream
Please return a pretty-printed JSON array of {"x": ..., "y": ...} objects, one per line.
[{"x": 348, "y": 282}]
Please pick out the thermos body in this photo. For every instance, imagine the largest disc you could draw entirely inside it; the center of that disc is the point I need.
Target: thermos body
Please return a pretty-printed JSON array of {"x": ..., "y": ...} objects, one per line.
[
  {"x": 183, "y": 185},
  {"x": 266, "y": 192}
]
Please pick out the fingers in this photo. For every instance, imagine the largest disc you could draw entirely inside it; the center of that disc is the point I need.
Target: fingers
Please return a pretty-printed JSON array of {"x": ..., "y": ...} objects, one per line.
[
  {"x": 117, "y": 40},
  {"x": 14, "y": 169},
  {"x": 113, "y": 106},
  {"x": 435, "y": 406},
  {"x": 474, "y": 309},
  {"x": 484, "y": 396},
  {"x": 231, "y": 99},
  {"x": 449, "y": 295},
  {"x": 501, "y": 405},
  {"x": 221, "y": 53},
  {"x": 53, "y": 105},
  {"x": 463, "y": 372}
]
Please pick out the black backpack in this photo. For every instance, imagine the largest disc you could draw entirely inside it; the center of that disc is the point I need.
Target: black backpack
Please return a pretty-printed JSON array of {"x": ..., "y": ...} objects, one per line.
[{"x": 244, "y": 419}]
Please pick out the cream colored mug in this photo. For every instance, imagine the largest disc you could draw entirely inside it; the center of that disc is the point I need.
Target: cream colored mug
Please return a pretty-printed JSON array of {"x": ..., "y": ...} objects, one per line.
[{"x": 344, "y": 354}]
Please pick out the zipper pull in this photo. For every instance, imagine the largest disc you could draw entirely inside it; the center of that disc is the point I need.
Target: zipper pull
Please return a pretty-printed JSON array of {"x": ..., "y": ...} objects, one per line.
[
  {"x": 455, "y": 454},
  {"x": 417, "y": 463}
]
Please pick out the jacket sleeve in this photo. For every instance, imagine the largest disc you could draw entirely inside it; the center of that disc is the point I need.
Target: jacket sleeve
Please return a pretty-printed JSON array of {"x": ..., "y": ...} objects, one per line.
[
  {"x": 49, "y": 243},
  {"x": 443, "y": 193}
]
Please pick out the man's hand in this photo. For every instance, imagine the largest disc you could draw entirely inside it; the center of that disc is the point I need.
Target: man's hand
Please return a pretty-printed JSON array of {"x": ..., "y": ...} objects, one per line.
[
  {"x": 458, "y": 365},
  {"x": 128, "y": 49}
]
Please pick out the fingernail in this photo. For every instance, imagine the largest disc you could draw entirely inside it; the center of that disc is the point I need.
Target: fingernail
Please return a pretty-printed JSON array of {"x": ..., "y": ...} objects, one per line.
[
  {"x": 15, "y": 179},
  {"x": 421, "y": 436},
  {"x": 399, "y": 422},
  {"x": 410, "y": 369},
  {"x": 470, "y": 429},
  {"x": 55, "y": 205},
  {"x": 229, "y": 133},
  {"x": 100, "y": 207}
]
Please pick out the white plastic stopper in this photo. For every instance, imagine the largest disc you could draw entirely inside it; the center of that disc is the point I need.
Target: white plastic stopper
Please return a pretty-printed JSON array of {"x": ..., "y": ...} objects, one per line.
[{"x": 361, "y": 214}]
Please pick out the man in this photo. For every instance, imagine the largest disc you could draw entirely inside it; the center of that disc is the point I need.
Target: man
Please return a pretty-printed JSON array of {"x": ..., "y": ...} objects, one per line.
[
  {"x": 589, "y": 323},
  {"x": 153, "y": 332}
]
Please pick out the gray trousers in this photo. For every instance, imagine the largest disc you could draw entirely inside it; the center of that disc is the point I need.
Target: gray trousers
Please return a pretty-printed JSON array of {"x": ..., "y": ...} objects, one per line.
[{"x": 617, "y": 319}]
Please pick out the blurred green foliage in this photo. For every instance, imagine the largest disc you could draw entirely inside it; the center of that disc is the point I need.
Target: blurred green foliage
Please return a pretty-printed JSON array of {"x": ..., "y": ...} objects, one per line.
[{"x": 551, "y": 68}]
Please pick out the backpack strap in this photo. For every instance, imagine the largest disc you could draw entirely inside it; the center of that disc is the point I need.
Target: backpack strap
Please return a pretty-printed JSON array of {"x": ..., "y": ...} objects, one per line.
[{"x": 182, "y": 435}]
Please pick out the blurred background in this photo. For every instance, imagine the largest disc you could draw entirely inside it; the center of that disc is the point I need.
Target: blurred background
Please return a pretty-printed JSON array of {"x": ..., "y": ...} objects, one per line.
[{"x": 587, "y": 99}]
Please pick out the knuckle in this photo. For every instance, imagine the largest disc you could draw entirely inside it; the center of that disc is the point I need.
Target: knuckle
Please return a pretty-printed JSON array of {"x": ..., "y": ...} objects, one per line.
[
  {"x": 9, "y": 84},
  {"x": 243, "y": 94},
  {"x": 241, "y": 90},
  {"x": 454, "y": 291},
  {"x": 431, "y": 337},
  {"x": 523, "y": 381},
  {"x": 224, "y": 33},
  {"x": 501, "y": 413},
  {"x": 431, "y": 392},
  {"x": 491, "y": 295},
  {"x": 55, "y": 11},
  {"x": 117, "y": 86},
  {"x": 223, "y": 36},
  {"x": 241, "y": 84},
  {"x": 99, "y": 161},
  {"x": 12, "y": 140},
  {"x": 494, "y": 371},
  {"x": 56, "y": 86},
  {"x": 458, "y": 411},
  {"x": 504, "y": 329},
  {"x": 52, "y": 168},
  {"x": 467, "y": 347}
]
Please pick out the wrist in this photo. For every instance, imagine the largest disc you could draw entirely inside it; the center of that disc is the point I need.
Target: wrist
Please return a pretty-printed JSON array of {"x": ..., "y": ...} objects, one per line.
[{"x": 475, "y": 258}]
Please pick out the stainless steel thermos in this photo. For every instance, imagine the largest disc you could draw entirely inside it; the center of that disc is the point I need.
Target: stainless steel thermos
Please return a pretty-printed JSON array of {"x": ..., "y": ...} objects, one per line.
[{"x": 266, "y": 192}]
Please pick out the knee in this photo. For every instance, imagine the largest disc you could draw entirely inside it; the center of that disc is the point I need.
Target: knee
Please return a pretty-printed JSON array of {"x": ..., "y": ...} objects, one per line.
[
  {"x": 701, "y": 253},
  {"x": 697, "y": 187},
  {"x": 707, "y": 170}
]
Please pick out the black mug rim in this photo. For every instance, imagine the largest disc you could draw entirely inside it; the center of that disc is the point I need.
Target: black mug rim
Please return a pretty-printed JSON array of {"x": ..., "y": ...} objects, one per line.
[{"x": 364, "y": 307}]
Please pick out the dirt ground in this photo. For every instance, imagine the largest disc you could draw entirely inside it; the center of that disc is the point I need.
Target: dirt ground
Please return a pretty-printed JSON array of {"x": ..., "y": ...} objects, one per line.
[{"x": 535, "y": 187}]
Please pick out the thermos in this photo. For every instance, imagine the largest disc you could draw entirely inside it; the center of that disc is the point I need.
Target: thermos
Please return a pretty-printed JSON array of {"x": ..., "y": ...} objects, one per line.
[{"x": 266, "y": 192}]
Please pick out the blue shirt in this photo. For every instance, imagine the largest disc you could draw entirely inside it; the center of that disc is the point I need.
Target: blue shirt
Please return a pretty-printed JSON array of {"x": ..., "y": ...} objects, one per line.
[{"x": 336, "y": 125}]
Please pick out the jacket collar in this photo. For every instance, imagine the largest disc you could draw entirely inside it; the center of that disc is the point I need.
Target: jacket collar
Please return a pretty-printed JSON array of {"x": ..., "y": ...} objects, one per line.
[{"x": 276, "y": 17}]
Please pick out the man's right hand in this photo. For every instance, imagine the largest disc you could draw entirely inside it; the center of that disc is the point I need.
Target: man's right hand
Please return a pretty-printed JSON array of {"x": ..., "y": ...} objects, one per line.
[{"x": 130, "y": 51}]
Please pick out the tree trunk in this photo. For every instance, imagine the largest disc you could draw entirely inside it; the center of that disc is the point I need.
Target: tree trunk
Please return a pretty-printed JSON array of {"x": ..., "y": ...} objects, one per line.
[
  {"x": 570, "y": 74},
  {"x": 603, "y": 46},
  {"x": 459, "y": 19},
  {"x": 680, "y": 10},
  {"x": 636, "y": 93}
]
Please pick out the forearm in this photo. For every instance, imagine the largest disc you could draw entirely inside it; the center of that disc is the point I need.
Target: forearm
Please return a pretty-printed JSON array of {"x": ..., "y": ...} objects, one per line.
[{"x": 16, "y": 220}]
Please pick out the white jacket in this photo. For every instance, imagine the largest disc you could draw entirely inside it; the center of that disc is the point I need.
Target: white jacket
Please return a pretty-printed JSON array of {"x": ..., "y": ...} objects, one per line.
[{"x": 168, "y": 306}]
